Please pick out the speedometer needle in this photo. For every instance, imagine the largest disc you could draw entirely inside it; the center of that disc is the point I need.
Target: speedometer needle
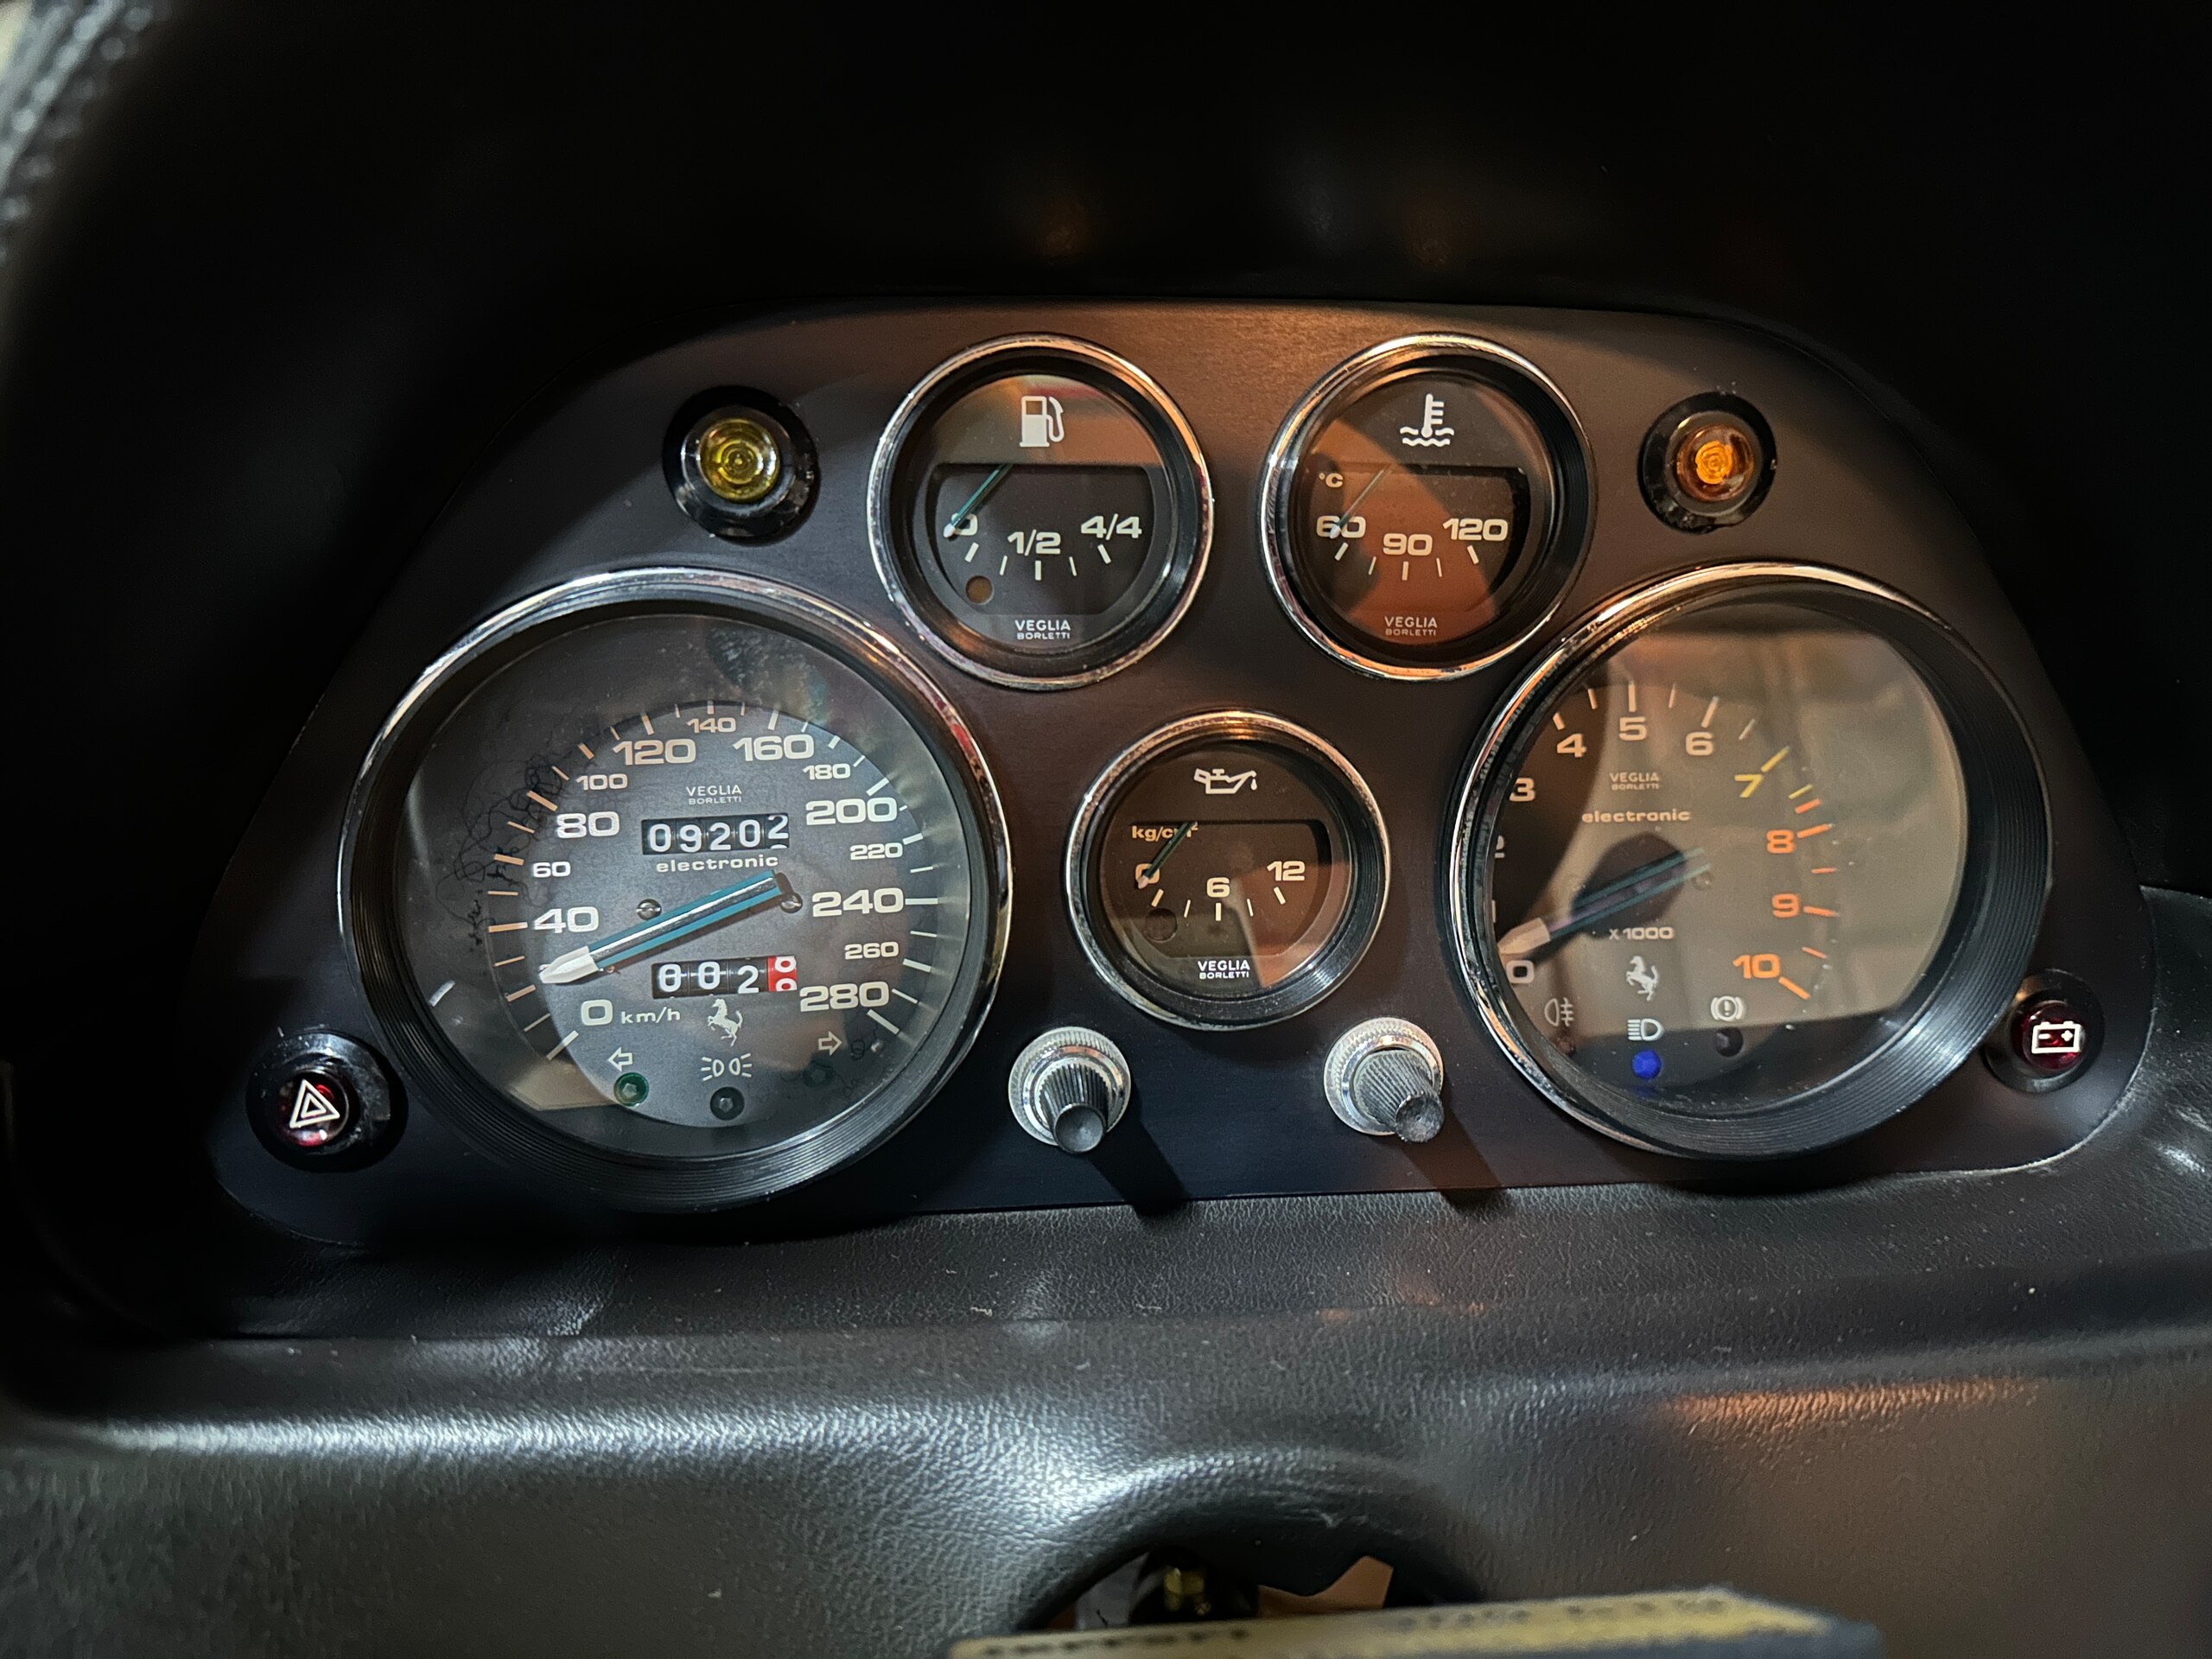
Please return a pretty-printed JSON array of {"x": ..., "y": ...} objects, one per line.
[
  {"x": 1646, "y": 881},
  {"x": 725, "y": 905}
]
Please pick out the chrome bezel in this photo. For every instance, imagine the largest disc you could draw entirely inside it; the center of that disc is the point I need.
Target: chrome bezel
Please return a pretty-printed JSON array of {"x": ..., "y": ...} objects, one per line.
[
  {"x": 1574, "y": 494},
  {"x": 496, "y": 1124},
  {"x": 1355, "y": 932},
  {"x": 1185, "y": 567},
  {"x": 1968, "y": 983}
]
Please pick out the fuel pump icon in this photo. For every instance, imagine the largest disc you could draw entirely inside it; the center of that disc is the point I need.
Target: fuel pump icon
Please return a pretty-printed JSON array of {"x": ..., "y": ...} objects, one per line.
[{"x": 1043, "y": 423}]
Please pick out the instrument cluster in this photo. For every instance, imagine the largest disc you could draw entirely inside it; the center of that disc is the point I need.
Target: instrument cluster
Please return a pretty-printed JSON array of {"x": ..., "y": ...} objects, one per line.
[{"x": 1179, "y": 752}]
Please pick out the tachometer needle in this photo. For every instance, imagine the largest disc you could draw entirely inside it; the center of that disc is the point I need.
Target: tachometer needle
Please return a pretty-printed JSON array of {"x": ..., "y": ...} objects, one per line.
[
  {"x": 952, "y": 524},
  {"x": 1646, "y": 881},
  {"x": 716, "y": 909}
]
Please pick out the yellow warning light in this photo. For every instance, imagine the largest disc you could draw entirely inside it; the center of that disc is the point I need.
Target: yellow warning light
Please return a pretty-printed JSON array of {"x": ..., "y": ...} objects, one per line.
[
  {"x": 740, "y": 460},
  {"x": 1715, "y": 463}
]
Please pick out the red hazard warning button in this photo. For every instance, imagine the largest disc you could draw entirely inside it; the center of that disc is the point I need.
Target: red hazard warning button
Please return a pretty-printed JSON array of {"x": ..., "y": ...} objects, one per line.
[
  {"x": 322, "y": 1107},
  {"x": 321, "y": 1100}
]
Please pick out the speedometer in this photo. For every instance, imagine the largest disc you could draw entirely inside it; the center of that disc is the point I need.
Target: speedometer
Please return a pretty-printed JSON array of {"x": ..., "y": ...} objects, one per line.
[
  {"x": 1750, "y": 863},
  {"x": 681, "y": 886}
]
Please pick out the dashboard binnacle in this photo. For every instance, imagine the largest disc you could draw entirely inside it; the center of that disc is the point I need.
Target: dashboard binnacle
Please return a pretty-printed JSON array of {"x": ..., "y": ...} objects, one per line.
[{"x": 948, "y": 759}]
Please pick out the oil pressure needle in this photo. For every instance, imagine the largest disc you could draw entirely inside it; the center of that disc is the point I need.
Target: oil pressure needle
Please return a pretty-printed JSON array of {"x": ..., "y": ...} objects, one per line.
[{"x": 1160, "y": 857}]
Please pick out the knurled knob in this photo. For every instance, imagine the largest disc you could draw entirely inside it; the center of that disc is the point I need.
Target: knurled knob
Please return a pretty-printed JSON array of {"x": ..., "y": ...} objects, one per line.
[
  {"x": 1074, "y": 1095},
  {"x": 1385, "y": 1077},
  {"x": 1069, "y": 1088}
]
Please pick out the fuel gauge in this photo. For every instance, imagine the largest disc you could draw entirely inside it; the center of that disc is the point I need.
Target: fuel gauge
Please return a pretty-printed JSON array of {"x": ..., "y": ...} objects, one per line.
[
  {"x": 1227, "y": 871},
  {"x": 1039, "y": 511}
]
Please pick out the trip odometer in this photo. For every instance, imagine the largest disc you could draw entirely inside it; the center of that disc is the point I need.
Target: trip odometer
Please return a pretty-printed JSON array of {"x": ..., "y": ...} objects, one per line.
[
  {"x": 701, "y": 886},
  {"x": 1750, "y": 863}
]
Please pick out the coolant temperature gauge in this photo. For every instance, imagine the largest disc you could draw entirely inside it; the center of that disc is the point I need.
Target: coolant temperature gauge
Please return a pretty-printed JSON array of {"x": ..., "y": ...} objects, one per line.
[{"x": 1425, "y": 506}]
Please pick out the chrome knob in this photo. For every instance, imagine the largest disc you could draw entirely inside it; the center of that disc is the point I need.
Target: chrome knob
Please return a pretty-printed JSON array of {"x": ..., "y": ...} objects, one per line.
[
  {"x": 1069, "y": 1088},
  {"x": 1387, "y": 1078}
]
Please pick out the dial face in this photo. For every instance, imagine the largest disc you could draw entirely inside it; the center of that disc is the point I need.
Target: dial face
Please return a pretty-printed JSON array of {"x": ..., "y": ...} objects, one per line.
[
  {"x": 1046, "y": 512},
  {"x": 1726, "y": 857},
  {"x": 1414, "y": 512},
  {"x": 1229, "y": 872},
  {"x": 685, "y": 886}
]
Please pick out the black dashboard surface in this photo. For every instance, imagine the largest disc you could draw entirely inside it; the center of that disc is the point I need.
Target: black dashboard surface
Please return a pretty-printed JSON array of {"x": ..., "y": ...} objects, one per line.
[
  {"x": 1217, "y": 1114},
  {"x": 328, "y": 255}
]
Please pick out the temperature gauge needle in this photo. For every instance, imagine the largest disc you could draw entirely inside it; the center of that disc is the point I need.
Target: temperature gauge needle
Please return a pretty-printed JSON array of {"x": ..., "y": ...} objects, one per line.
[
  {"x": 1351, "y": 506},
  {"x": 727, "y": 904},
  {"x": 952, "y": 524},
  {"x": 1646, "y": 881}
]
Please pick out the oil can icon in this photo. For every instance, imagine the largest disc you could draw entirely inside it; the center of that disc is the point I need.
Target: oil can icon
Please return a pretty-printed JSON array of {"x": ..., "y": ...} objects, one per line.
[{"x": 1042, "y": 423}]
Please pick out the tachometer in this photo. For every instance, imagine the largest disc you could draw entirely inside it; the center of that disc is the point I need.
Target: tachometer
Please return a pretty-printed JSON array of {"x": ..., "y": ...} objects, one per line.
[
  {"x": 684, "y": 886},
  {"x": 1750, "y": 863}
]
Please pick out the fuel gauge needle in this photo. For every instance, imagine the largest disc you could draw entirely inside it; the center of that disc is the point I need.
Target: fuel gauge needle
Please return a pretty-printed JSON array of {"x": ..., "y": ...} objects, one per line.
[
  {"x": 952, "y": 524},
  {"x": 716, "y": 909}
]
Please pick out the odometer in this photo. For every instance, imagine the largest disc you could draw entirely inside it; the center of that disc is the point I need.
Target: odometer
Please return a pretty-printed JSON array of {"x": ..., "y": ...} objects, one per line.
[
  {"x": 684, "y": 885},
  {"x": 1750, "y": 863}
]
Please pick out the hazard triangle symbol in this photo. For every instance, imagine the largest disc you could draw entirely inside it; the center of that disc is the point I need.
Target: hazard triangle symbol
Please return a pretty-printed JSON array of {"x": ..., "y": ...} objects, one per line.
[{"x": 311, "y": 1107}]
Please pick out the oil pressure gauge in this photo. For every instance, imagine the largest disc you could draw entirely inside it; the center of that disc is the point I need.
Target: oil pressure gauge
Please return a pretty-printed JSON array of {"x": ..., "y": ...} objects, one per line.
[
  {"x": 1424, "y": 507},
  {"x": 1039, "y": 511},
  {"x": 1227, "y": 871}
]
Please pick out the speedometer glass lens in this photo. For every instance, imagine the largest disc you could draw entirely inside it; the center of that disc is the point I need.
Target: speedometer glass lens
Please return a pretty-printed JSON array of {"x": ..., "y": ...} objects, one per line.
[
  {"x": 1723, "y": 869},
  {"x": 1227, "y": 871},
  {"x": 674, "y": 883},
  {"x": 1039, "y": 511}
]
